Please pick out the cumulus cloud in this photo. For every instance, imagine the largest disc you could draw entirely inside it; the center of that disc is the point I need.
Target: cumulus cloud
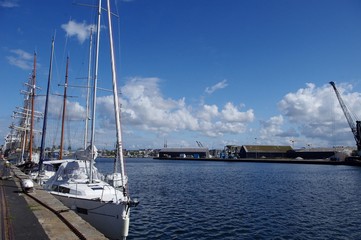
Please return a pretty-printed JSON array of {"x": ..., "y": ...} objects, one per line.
[
  {"x": 74, "y": 121},
  {"x": 306, "y": 103},
  {"x": 317, "y": 116},
  {"x": 231, "y": 113},
  {"x": 74, "y": 110},
  {"x": 20, "y": 59},
  {"x": 216, "y": 87},
  {"x": 272, "y": 126},
  {"x": 145, "y": 108},
  {"x": 308, "y": 116},
  {"x": 275, "y": 131},
  {"x": 79, "y": 30},
  {"x": 207, "y": 112}
]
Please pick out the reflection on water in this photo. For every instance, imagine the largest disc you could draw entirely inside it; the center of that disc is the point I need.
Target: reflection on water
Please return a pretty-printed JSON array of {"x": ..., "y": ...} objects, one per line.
[{"x": 222, "y": 200}]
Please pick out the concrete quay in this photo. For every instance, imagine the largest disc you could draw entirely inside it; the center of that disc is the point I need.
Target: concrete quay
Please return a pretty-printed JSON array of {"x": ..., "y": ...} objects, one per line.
[{"x": 36, "y": 214}]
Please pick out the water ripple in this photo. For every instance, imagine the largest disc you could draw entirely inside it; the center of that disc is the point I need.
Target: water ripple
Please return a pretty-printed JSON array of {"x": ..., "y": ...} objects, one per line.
[{"x": 205, "y": 200}]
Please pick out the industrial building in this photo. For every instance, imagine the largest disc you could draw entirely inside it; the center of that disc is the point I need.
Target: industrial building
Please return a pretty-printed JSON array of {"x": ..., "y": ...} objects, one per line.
[
  {"x": 277, "y": 151},
  {"x": 184, "y": 153},
  {"x": 250, "y": 152},
  {"x": 317, "y": 153},
  {"x": 264, "y": 151}
]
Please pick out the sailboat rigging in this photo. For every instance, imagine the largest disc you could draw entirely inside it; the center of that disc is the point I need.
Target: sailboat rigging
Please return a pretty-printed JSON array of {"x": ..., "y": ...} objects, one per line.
[
  {"x": 32, "y": 111},
  {"x": 88, "y": 90},
  {"x": 45, "y": 120},
  {"x": 78, "y": 184},
  {"x": 64, "y": 110},
  {"x": 27, "y": 123}
]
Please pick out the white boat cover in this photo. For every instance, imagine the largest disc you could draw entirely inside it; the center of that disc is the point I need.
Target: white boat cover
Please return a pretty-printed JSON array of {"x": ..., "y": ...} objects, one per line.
[{"x": 76, "y": 170}]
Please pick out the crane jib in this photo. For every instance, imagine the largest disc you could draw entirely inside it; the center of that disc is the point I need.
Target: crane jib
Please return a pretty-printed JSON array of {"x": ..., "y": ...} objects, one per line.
[{"x": 355, "y": 125}]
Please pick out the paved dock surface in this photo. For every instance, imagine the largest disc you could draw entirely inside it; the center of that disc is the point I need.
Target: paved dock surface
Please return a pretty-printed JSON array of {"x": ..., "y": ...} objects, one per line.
[
  {"x": 37, "y": 214},
  {"x": 17, "y": 218}
]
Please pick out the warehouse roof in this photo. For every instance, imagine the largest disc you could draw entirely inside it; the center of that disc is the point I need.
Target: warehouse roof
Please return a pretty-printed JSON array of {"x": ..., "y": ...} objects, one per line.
[{"x": 266, "y": 148}]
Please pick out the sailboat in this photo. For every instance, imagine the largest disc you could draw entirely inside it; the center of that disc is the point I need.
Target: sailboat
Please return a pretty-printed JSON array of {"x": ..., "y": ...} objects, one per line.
[
  {"x": 78, "y": 184},
  {"x": 12, "y": 144},
  {"x": 25, "y": 158}
]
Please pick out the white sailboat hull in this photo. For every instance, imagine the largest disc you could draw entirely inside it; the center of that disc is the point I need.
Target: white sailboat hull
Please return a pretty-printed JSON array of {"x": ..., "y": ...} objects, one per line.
[
  {"x": 109, "y": 218},
  {"x": 105, "y": 207}
]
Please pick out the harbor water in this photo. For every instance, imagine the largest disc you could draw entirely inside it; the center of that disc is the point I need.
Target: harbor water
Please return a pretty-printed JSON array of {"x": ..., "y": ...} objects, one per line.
[{"x": 225, "y": 200}]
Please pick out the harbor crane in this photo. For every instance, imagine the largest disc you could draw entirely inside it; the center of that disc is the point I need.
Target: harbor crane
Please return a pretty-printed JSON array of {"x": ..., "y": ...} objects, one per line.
[
  {"x": 199, "y": 144},
  {"x": 354, "y": 124}
]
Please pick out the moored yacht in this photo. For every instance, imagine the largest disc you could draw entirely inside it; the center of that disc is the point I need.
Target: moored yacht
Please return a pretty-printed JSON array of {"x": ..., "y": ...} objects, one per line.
[{"x": 78, "y": 184}]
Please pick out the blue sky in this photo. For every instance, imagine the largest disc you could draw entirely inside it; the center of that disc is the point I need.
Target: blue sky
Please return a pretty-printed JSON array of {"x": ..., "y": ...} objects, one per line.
[{"x": 218, "y": 72}]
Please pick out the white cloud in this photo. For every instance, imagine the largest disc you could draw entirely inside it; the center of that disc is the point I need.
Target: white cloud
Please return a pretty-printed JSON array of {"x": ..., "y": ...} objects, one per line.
[
  {"x": 216, "y": 87},
  {"x": 80, "y": 30},
  {"x": 306, "y": 103},
  {"x": 144, "y": 109},
  {"x": 74, "y": 111},
  {"x": 230, "y": 113},
  {"x": 317, "y": 116},
  {"x": 144, "y": 106},
  {"x": 308, "y": 116},
  {"x": 74, "y": 121},
  {"x": 271, "y": 128},
  {"x": 208, "y": 112},
  {"x": 21, "y": 59}
]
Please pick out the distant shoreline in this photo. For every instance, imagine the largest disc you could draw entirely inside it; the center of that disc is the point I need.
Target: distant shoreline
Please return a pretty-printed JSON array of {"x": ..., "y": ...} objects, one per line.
[{"x": 257, "y": 160}]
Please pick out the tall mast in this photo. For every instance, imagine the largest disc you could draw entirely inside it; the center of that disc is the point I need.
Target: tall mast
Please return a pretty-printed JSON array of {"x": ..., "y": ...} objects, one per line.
[
  {"x": 33, "y": 82},
  {"x": 24, "y": 124},
  {"x": 119, "y": 146},
  {"x": 64, "y": 107},
  {"x": 45, "y": 121},
  {"x": 88, "y": 90},
  {"x": 95, "y": 91}
]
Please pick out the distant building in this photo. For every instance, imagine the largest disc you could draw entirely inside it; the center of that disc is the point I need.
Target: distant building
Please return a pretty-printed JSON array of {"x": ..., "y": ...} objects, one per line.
[
  {"x": 184, "y": 153},
  {"x": 252, "y": 152},
  {"x": 316, "y": 153},
  {"x": 231, "y": 151},
  {"x": 216, "y": 153},
  {"x": 270, "y": 151},
  {"x": 264, "y": 151}
]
